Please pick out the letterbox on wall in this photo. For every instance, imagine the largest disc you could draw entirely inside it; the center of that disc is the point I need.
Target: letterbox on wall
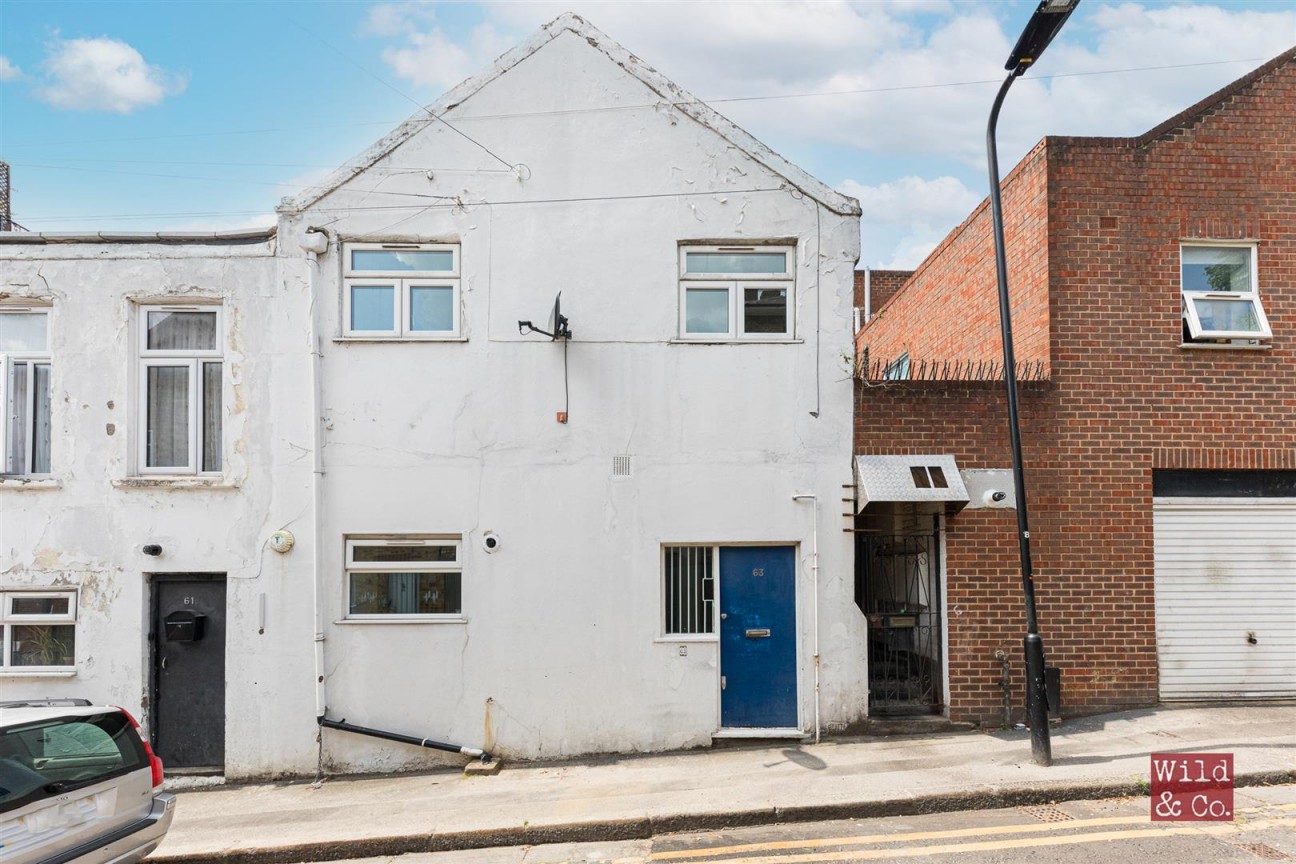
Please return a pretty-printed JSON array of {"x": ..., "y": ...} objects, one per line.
[{"x": 184, "y": 627}]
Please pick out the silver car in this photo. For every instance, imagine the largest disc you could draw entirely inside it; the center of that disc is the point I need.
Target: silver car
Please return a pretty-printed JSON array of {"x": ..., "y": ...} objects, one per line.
[{"x": 78, "y": 784}]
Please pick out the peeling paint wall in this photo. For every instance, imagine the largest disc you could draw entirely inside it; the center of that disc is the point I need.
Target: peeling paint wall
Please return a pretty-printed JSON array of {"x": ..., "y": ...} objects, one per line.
[
  {"x": 561, "y": 652},
  {"x": 86, "y": 525}
]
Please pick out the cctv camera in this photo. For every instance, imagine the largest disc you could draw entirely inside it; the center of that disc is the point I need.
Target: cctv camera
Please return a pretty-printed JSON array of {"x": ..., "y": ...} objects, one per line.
[
  {"x": 153, "y": 550},
  {"x": 490, "y": 541}
]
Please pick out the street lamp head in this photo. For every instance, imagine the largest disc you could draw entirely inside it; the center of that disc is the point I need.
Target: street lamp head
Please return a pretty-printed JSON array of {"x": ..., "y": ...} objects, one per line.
[{"x": 1040, "y": 30}]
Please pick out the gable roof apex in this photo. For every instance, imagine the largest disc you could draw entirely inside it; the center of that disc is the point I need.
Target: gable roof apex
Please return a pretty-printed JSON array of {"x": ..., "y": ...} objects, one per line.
[
  {"x": 1189, "y": 115},
  {"x": 671, "y": 94}
]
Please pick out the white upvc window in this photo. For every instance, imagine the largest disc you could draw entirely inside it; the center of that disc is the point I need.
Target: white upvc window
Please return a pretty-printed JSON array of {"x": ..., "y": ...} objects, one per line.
[
  {"x": 181, "y": 404},
  {"x": 401, "y": 291},
  {"x": 404, "y": 577},
  {"x": 1221, "y": 298},
  {"x": 731, "y": 293},
  {"x": 37, "y": 631},
  {"x": 689, "y": 589},
  {"x": 25, "y": 402}
]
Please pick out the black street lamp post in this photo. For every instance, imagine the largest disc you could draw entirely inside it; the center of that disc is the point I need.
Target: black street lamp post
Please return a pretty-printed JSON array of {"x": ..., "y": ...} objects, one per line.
[{"x": 1040, "y": 30}]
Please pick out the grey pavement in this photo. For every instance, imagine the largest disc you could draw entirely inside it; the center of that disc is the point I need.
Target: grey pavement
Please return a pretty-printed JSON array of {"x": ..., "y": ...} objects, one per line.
[{"x": 633, "y": 797}]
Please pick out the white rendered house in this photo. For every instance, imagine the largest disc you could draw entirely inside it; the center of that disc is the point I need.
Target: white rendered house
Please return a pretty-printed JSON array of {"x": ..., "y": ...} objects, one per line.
[{"x": 627, "y": 538}]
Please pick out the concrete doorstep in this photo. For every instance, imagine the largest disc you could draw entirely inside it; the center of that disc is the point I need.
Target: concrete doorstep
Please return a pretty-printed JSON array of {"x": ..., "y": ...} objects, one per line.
[{"x": 637, "y": 797}]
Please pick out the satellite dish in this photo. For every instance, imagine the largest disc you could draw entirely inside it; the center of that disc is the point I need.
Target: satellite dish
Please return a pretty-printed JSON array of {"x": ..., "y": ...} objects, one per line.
[
  {"x": 558, "y": 328},
  {"x": 557, "y": 321}
]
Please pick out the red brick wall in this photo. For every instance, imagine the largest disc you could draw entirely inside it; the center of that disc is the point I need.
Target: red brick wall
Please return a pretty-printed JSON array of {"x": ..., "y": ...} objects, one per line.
[
  {"x": 1123, "y": 397},
  {"x": 949, "y": 309},
  {"x": 883, "y": 284}
]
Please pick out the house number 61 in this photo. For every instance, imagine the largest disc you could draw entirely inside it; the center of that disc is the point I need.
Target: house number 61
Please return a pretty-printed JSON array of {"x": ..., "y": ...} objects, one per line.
[{"x": 189, "y": 601}]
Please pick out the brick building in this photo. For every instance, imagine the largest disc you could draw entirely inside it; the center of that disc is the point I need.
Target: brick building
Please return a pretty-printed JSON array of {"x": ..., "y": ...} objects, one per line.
[{"x": 1153, "y": 284}]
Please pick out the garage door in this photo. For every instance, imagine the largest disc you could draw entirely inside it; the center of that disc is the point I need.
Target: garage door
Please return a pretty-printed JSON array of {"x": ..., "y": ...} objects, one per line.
[{"x": 1226, "y": 597}]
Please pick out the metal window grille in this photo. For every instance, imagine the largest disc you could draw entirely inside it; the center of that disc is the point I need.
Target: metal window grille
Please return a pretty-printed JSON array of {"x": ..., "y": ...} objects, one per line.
[{"x": 690, "y": 590}]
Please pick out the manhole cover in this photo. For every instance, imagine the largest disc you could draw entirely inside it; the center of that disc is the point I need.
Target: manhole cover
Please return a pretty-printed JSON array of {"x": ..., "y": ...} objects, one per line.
[
  {"x": 1047, "y": 814},
  {"x": 1269, "y": 853}
]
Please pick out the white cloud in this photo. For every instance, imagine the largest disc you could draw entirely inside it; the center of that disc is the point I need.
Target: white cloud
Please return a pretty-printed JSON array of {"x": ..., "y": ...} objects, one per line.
[
  {"x": 8, "y": 71},
  {"x": 103, "y": 74},
  {"x": 947, "y": 56},
  {"x": 782, "y": 47},
  {"x": 432, "y": 59},
  {"x": 909, "y": 216},
  {"x": 426, "y": 56}
]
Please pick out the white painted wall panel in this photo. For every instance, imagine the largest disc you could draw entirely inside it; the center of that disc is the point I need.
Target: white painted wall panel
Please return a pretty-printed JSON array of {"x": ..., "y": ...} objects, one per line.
[{"x": 1225, "y": 572}]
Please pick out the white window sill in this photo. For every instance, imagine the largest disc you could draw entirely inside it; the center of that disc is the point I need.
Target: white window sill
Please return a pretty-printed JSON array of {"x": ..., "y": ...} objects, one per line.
[
  {"x": 1222, "y": 346},
  {"x": 37, "y": 673},
  {"x": 402, "y": 339},
  {"x": 173, "y": 482},
  {"x": 31, "y": 483},
  {"x": 398, "y": 619},
  {"x": 692, "y": 639},
  {"x": 728, "y": 341}
]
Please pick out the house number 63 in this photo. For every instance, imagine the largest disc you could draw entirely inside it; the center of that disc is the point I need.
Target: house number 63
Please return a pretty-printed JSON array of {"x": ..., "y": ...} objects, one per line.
[{"x": 759, "y": 571}]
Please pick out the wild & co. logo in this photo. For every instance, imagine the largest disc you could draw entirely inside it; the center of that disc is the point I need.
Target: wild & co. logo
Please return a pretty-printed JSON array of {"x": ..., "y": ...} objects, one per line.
[{"x": 1192, "y": 787}]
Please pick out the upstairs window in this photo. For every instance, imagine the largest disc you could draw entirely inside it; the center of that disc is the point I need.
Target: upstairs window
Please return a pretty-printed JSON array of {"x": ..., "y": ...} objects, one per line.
[
  {"x": 181, "y": 404},
  {"x": 400, "y": 291},
  {"x": 736, "y": 292},
  {"x": 24, "y": 391},
  {"x": 1221, "y": 301}
]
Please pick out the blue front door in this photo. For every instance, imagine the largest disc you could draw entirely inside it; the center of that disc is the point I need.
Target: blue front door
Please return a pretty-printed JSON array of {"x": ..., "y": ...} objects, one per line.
[{"x": 758, "y": 636}]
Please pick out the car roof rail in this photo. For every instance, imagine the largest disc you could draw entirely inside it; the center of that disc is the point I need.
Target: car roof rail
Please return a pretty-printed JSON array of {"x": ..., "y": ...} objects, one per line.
[{"x": 46, "y": 703}]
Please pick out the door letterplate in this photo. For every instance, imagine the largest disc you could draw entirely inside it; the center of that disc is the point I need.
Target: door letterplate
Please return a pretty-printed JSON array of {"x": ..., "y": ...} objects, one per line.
[{"x": 762, "y": 633}]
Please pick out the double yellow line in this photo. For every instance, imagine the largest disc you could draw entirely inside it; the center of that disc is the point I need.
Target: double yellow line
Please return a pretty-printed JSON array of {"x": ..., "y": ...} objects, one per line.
[{"x": 1047, "y": 834}]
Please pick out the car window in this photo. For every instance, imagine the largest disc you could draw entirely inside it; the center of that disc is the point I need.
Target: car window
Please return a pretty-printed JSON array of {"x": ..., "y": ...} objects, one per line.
[{"x": 48, "y": 758}]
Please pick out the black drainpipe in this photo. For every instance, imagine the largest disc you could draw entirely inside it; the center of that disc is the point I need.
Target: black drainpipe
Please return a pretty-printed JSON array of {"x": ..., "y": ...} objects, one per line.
[{"x": 344, "y": 726}]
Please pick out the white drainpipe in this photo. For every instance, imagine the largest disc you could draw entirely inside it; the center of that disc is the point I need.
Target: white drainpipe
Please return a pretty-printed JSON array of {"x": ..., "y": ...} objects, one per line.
[
  {"x": 814, "y": 575},
  {"x": 314, "y": 243}
]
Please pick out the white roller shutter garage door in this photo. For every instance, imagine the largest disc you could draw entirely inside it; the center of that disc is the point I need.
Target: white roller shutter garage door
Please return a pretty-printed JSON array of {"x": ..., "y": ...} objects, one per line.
[{"x": 1225, "y": 597}]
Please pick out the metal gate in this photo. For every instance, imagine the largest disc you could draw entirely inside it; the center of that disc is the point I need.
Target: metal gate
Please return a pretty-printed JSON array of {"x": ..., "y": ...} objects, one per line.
[{"x": 898, "y": 589}]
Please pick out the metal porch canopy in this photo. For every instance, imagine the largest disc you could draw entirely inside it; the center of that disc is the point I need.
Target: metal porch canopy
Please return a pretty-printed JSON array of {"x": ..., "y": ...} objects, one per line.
[{"x": 930, "y": 481}]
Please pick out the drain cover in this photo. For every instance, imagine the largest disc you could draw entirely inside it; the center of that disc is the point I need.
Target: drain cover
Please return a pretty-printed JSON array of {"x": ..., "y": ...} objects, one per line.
[
  {"x": 1260, "y": 850},
  {"x": 1047, "y": 814}
]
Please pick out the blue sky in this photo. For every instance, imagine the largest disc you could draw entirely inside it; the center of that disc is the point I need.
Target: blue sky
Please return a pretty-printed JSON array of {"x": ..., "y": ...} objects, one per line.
[{"x": 135, "y": 116}]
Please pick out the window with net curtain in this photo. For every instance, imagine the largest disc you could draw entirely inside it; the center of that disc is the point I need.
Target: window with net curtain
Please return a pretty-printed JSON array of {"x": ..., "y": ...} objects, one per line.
[
  {"x": 404, "y": 576},
  {"x": 181, "y": 402},
  {"x": 25, "y": 365}
]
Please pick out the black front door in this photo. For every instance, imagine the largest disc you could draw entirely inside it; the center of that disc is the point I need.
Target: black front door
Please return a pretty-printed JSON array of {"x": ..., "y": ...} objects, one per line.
[{"x": 189, "y": 670}]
